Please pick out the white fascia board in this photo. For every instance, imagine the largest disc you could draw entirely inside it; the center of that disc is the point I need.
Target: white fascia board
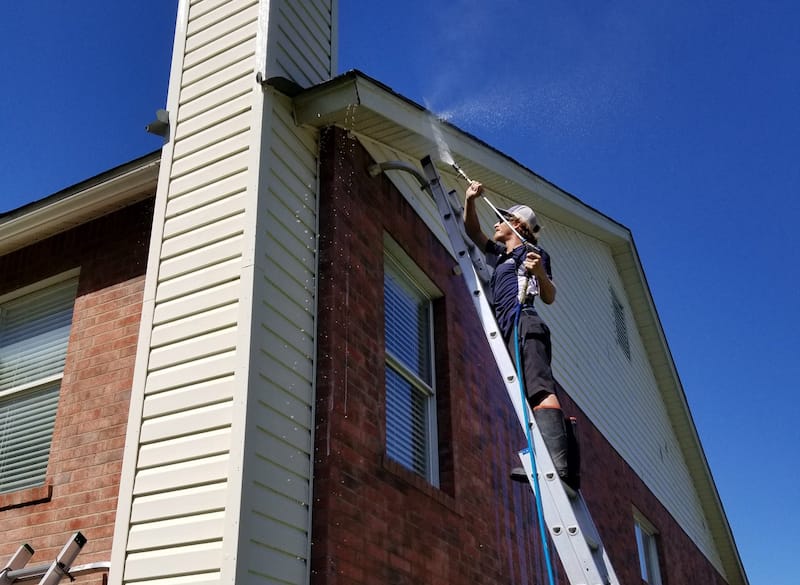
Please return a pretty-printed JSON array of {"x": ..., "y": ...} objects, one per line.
[{"x": 79, "y": 204}]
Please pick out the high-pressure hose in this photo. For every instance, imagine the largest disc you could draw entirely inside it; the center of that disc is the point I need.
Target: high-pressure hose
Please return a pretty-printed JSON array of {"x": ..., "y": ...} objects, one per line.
[{"x": 534, "y": 474}]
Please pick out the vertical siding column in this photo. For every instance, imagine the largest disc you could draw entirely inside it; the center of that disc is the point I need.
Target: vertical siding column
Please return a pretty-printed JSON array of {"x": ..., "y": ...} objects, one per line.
[{"x": 217, "y": 468}]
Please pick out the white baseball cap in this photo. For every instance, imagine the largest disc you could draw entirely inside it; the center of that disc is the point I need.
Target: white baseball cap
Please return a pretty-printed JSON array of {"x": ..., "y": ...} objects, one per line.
[{"x": 523, "y": 213}]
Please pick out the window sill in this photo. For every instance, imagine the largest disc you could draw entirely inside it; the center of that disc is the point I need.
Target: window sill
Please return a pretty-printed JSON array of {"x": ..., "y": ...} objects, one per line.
[
  {"x": 26, "y": 497},
  {"x": 420, "y": 483}
]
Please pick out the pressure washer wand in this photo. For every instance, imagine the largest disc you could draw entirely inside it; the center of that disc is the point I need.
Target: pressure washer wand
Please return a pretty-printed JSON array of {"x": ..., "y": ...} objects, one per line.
[{"x": 461, "y": 172}]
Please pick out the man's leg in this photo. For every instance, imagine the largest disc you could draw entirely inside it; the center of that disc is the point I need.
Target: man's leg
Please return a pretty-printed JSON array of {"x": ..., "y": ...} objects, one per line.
[{"x": 540, "y": 389}]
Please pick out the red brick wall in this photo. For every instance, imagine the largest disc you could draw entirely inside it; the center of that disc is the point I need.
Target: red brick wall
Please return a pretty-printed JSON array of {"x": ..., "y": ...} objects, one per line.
[
  {"x": 86, "y": 456},
  {"x": 374, "y": 522}
]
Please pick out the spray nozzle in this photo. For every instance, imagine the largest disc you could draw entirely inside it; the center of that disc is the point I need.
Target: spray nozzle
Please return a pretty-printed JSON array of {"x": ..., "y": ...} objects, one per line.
[{"x": 461, "y": 172}]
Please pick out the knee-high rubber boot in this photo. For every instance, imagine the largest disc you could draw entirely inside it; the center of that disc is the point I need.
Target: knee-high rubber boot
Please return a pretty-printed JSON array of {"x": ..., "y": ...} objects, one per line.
[
  {"x": 554, "y": 432},
  {"x": 561, "y": 443},
  {"x": 573, "y": 454}
]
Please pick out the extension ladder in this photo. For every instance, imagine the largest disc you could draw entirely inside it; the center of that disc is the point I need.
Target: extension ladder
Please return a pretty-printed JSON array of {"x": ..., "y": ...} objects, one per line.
[
  {"x": 49, "y": 573},
  {"x": 569, "y": 523}
]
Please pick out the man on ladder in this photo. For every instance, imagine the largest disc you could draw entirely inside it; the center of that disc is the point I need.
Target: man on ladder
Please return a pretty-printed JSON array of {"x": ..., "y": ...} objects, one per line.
[{"x": 522, "y": 272}]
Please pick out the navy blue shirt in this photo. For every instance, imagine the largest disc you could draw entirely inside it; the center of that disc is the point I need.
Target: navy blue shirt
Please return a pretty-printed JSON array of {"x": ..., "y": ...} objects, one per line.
[{"x": 507, "y": 281}]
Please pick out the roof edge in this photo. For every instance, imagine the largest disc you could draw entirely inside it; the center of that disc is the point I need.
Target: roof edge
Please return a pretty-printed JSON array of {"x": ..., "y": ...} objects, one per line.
[{"x": 111, "y": 190}]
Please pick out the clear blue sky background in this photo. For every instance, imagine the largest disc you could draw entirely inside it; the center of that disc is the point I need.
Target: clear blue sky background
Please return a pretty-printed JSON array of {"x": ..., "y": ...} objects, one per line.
[{"x": 679, "y": 119}]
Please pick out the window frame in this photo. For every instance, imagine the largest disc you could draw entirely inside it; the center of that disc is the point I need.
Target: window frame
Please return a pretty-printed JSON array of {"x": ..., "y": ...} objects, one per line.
[
  {"x": 402, "y": 267},
  {"x": 50, "y": 381},
  {"x": 647, "y": 546}
]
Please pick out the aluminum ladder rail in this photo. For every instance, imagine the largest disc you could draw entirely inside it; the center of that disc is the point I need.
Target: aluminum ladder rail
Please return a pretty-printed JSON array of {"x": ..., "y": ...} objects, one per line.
[
  {"x": 566, "y": 515},
  {"x": 50, "y": 573}
]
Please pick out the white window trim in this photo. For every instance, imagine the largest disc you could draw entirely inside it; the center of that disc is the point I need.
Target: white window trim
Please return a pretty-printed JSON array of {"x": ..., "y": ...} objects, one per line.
[
  {"x": 403, "y": 264},
  {"x": 53, "y": 379},
  {"x": 39, "y": 285},
  {"x": 649, "y": 556}
]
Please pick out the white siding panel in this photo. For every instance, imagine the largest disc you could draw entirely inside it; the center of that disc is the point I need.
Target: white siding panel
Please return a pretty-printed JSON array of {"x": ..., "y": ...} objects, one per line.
[
  {"x": 229, "y": 76},
  {"x": 201, "y": 7},
  {"x": 200, "y": 370},
  {"x": 217, "y": 151},
  {"x": 191, "y": 396},
  {"x": 284, "y": 440},
  {"x": 194, "y": 325},
  {"x": 302, "y": 50},
  {"x": 206, "y": 215},
  {"x": 194, "y": 500},
  {"x": 218, "y": 18},
  {"x": 218, "y": 62},
  {"x": 199, "y": 558},
  {"x": 219, "y": 230},
  {"x": 181, "y": 475},
  {"x": 288, "y": 336},
  {"x": 299, "y": 316},
  {"x": 227, "y": 189},
  {"x": 280, "y": 374},
  {"x": 190, "y": 448},
  {"x": 179, "y": 424},
  {"x": 176, "y": 532},
  {"x": 268, "y": 475},
  {"x": 197, "y": 302},
  {"x": 215, "y": 98},
  {"x": 275, "y": 567},
  {"x": 208, "y": 175},
  {"x": 242, "y": 33},
  {"x": 223, "y": 130},
  {"x": 196, "y": 260},
  {"x": 205, "y": 120},
  {"x": 206, "y": 578},
  {"x": 295, "y": 257},
  {"x": 196, "y": 348},
  {"x": 309, "y": 46},
  {"x": 286, "y": 539},
  {"x": 281, "y": 508},
  {"x": 203, "y": 278}
]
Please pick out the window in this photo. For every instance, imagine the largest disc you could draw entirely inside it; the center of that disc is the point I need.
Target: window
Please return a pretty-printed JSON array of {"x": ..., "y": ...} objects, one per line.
[
  {"x": 648, "y": 551},
  {"x": 34, "y": 330},
  {"x": 619, "y": 323},
  {"x": 411, "y": 426}
]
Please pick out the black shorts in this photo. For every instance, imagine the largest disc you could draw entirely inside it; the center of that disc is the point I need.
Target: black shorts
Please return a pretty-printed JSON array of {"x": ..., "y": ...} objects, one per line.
[{"x": 535, "y": 355}]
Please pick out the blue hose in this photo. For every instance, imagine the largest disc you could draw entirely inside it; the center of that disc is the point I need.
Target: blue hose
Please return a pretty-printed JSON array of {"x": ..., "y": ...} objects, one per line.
[{"x": 536, "y": 492}]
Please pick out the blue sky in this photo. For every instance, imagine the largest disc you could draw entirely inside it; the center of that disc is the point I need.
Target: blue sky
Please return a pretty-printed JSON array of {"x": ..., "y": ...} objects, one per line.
[{"x": 680, "y": 120}]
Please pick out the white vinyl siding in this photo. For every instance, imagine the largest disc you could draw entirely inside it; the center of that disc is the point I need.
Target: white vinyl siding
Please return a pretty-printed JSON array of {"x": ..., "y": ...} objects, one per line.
[
  {"x": 410, "y": 391},
  {"x": 277, "y": 475},
  {"x": 219, "y": 485},
  {"x": 34, "y": 332},
  {"x": 179, "y": 487},
  {"x": 301, "y": 46}
]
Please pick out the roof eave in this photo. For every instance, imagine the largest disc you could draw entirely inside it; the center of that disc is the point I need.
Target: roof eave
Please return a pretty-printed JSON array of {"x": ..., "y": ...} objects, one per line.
[{"x": 76, "y": 205}]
